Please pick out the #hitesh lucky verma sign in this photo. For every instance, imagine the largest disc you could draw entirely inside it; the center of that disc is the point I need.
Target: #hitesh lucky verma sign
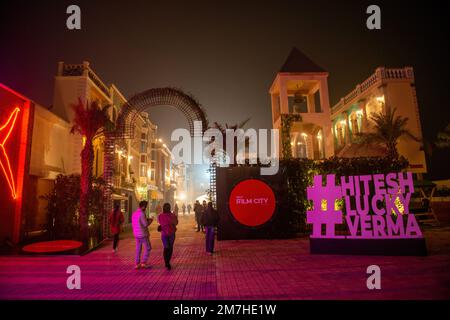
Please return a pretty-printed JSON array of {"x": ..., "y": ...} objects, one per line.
[{"x": 377, "y": 208}]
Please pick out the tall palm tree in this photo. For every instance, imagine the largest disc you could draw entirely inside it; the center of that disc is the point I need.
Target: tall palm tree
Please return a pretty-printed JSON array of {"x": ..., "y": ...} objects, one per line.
[
  {"x": 388, "y": 128},
  {"x": 89, "y": 121}
]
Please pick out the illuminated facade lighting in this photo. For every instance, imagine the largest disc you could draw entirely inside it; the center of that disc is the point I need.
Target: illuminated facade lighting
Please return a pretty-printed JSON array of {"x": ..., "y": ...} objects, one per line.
[{"x": 5, "y": 132}]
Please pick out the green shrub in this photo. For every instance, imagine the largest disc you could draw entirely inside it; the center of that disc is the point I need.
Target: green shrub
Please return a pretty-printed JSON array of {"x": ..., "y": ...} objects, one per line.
[{"x": 63, "y": 207}]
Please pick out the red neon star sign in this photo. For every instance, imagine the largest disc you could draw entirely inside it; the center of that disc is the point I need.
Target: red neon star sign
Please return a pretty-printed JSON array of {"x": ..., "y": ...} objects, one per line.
[{"x": 5, "y": 132}]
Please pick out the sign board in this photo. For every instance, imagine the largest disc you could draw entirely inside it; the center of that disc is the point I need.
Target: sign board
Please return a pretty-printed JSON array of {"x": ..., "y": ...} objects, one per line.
[
  {"x": 377, "y": 209},
  {"x": 15, "y": 124}
]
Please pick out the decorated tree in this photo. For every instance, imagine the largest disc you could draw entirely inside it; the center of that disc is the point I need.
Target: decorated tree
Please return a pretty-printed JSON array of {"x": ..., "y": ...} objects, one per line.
[
  {"x": 89, "y": 121},
  {"x": 287, "y": 121}
]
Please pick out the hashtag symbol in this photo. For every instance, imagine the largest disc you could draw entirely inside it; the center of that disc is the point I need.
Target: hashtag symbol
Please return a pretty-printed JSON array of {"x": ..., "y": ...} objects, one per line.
[{"x": 330, "y": 217}]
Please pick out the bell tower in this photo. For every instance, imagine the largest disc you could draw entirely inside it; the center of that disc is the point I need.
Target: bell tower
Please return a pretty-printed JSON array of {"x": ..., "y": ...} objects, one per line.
[{"x": 301, "y": 87}]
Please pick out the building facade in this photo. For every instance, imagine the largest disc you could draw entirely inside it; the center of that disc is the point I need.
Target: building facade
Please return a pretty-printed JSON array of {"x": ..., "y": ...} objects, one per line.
[
  {"x": 301, "y": 87},
  {"x": 41, "y": 147},
  {"x": 135, "y": 174},
  {"x": 384, "y": 91}
]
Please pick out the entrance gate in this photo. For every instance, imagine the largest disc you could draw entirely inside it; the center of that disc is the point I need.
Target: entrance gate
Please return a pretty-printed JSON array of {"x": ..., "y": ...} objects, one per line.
[{"x": 171, "y": 97}]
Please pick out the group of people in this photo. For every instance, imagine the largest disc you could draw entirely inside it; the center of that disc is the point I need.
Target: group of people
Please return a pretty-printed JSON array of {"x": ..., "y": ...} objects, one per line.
[
  {"x": 207, "y": 219},
  {"x": 184, "y": 207}
]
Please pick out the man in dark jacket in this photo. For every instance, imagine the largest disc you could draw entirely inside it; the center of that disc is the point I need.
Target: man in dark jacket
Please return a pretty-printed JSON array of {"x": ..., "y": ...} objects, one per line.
[
  {"x": 198, "y": 209},
  {"x": 210, "y": 221}
]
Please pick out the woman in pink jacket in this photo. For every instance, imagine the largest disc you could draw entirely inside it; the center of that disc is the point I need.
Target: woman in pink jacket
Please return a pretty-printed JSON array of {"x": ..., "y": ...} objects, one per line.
[{"x": 167, "y": 221}]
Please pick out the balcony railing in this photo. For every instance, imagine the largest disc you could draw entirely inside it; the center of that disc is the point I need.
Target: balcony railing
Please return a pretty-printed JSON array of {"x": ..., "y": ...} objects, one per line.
[
  {"x": 376, "y": 79},
  {"x": 83, "y": 69}
]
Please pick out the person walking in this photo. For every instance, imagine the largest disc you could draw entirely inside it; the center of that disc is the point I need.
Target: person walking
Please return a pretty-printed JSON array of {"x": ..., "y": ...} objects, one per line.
[
  {"x": 116, "y": 220},
  {"x": 198, "y": 214},
  {"x": 175, "y": 209},
  {"x": 210, "y": 221},
  {"x": 183, "y": 207},
  {"x": 204, "y": 207},
  {"x": 168, "y": 221},
  {"x": 140, "y": 225},
  {"x": 189, "y": 208}
]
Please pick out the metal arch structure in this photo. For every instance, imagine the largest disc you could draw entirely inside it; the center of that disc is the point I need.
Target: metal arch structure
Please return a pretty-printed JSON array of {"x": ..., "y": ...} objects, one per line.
[
  {"x": 173, "y": 97},
  {"x": 129, "y": 112}
]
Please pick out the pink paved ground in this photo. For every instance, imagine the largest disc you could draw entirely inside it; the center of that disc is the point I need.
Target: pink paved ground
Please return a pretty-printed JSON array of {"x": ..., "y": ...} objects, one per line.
[{"x": 269, "y": 269}]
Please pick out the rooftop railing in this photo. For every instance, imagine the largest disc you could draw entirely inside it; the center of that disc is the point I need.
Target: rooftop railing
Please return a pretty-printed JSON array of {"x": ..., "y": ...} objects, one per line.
[
  {"x": 376, "y": 79},
  {"x": 83, "y": 69}
]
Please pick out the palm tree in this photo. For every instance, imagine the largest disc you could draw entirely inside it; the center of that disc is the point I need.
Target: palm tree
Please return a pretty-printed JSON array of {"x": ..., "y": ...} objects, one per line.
[
  {"x": 223, "y": 128},
  {"x": 388, "y": 128},
  {"x": 89, "y": 122}
]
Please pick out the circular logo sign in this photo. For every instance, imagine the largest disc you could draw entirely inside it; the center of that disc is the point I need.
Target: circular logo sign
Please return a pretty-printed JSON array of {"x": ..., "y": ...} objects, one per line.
[{"x": 252, "y": 202}]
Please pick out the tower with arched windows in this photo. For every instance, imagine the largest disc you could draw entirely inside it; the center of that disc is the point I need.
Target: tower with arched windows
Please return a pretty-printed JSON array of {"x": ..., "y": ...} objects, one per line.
[{"x": 301, "y": 87}]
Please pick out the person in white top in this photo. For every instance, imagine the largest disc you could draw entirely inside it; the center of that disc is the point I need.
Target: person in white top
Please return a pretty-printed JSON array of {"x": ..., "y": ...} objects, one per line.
[{"x": 140, "y": 224}]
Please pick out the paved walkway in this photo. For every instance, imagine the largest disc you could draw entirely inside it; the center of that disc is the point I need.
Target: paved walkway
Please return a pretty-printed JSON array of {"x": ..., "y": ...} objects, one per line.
[{"x": 269, "y": 269}]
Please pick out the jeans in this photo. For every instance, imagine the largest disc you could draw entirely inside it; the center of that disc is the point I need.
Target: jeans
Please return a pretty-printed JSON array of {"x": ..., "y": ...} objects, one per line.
[
  {"x": 116, "y": 241},
  {"x": 168, "y": 242},
  {"x": 139, "y": 243},
  {"x": 199, "y": 224},
  {"x": 210, "y": 235}
]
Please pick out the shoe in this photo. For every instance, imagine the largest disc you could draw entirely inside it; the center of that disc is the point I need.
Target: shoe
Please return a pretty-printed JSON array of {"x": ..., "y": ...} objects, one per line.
[
  {"x": 113, "y": 250},
  {"x": 169, "y": 267},
  {"x": 137, "y": 267},
  {"x": 145, "y": 266}
]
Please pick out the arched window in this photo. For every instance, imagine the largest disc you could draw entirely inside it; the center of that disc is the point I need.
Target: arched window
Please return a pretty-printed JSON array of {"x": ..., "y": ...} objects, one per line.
[
  {"x": 353, "y": 119},
  {"x": 300, "y": 145},
  {"x": 340, "y": 132},
  {"x": 320, "y": 146}
]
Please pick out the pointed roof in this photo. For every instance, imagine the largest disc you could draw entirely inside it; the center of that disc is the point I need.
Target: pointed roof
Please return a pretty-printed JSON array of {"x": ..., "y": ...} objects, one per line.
[{"x": 297, "y": 61}]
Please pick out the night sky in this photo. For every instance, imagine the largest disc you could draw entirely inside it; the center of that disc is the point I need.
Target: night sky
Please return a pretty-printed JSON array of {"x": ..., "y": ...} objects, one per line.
[{"x": 227, "y": 53}]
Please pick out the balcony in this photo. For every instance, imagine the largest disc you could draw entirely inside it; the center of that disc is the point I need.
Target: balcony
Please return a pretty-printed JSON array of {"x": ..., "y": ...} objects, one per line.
[
  {"x": 83, "y": 69},
  {"x": 377, "y": 79}
]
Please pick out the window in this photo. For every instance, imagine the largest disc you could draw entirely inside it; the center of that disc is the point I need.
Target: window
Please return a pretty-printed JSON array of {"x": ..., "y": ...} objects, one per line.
[
  {"x": 297, "y": 104},
  {"x": 143, "y": 158},
  {"x": 143, "y": 172},
  {"x": 320, "y": 146},
  {"x": 153, "y": 154},
  {"x": 152, "y": 175},
  {"x": 300, "y": 145},
  {"x": 143, "y": 136},
  {"x": 340, "y": 132},
  {"x": 354, "y": 124},
  {"x": 143, "y": 147}
]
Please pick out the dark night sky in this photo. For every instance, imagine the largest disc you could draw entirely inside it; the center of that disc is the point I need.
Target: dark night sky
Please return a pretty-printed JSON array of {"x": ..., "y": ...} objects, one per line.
[{"x": 227, "y": 52}]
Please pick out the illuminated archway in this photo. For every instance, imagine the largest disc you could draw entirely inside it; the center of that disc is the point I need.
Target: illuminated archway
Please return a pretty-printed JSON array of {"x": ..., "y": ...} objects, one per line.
[{"x": 129, "y": 112}]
